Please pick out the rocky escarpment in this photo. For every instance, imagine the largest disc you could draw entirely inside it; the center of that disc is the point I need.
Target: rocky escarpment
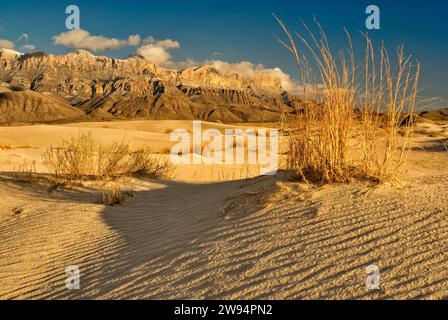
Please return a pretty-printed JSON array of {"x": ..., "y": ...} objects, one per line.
[{"x": 102, "y": 87}]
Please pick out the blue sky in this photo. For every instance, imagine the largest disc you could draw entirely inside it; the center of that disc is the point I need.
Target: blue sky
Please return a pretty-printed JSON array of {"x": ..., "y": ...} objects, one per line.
[{"x": 239, "y": 30}]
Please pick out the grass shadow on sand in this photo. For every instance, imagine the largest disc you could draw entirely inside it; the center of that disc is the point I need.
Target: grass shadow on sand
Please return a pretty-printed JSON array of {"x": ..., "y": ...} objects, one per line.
[{"x": 41, "y": 186}]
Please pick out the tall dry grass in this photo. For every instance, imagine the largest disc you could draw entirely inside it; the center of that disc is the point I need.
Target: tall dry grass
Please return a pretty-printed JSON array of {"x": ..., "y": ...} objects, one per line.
[
  {"x": 84, "y": 158},
  {"x": 387, "y": 111},
  {"x": 355, "y": 120}
]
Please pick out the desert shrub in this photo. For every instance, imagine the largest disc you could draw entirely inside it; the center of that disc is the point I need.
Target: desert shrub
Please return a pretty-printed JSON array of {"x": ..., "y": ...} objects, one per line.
[
  {"x": 84, "y": 158},
  {"x": 352, "y": 118},
  {"x": 113, "y": 197},
  {"x": 26, "y": 172}
]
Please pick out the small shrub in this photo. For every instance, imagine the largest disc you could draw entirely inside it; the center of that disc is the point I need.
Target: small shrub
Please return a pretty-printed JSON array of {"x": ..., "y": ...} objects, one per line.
[
  {"x": 113, "y": 197},
  {"x": 84, "y": 158},
  {"x": 26, "y": 172}
]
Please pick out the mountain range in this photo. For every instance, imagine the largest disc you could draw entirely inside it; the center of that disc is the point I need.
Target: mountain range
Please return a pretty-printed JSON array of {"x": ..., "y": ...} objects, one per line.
[
  {"x": 80, "y": 86},
  {"x": 41, "y": 87}
]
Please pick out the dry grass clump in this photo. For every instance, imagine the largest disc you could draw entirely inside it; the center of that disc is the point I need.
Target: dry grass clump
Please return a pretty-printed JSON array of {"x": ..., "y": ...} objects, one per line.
[
  {"x": 115, "y": 196},
  {"x": 84, "y": 158},
  {"x": 355, "y": 120},
  {"x": 112, "y": 198},
  {"x": 26, "y": 172}
]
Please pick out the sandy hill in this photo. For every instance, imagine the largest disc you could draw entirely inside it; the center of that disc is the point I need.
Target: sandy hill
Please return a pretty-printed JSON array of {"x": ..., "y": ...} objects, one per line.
[
  {"x": 20, "y": 105},
  {"x": 215, "y": 232}
]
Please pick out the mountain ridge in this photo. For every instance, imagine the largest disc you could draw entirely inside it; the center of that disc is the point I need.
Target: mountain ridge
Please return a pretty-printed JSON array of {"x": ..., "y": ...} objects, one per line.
[{"x": 103, "y": 87}]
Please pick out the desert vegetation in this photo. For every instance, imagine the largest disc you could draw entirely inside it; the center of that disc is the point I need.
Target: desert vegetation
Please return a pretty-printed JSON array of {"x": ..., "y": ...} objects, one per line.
[
  {"x": 356, "y": 119},
  {"x": 84, "y": 158},
  {"x": 26, "y": 172},
  {"x": 115, "y": 196}
]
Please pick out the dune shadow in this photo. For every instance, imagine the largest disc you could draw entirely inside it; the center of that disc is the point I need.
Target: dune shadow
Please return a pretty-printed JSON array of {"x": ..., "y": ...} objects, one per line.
[
  {"x": 160, "y": 229},
  {"x": 437, "y": 145},
  {"x": 163, "y": 238},
  {"x": 44, "y": 188}
]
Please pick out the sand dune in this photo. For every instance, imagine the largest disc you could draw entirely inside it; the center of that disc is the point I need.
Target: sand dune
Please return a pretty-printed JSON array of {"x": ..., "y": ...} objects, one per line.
[
  {"x": 173, "y": 241},
  {"x": 27, "y": 143},
  {"x": 257, "y": 238}
]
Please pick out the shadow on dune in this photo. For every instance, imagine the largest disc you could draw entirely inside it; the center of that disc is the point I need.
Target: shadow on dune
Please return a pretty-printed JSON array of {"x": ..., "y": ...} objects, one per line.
[
  {"x": 173, "y": 240},
  {"x": 43, "y": 188},
  {"x": 166, "y": 235},
  {"x": 437, "y": 145}
]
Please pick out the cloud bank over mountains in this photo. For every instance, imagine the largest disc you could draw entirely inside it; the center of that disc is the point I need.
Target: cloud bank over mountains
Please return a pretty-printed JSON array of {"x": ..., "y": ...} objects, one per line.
[
  {"x": 155, "y": 50},
  {"x": 247, "y": 68},
  {"x": 158, "y": 51}
]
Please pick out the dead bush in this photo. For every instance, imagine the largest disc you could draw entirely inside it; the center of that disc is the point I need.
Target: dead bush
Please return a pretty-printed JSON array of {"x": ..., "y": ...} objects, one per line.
[{"x": 84, "y": 158}]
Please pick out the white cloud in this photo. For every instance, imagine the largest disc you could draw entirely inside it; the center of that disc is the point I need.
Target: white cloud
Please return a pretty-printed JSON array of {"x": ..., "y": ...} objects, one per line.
[
  {"x": 82, "y": 39},
  {"x": 23, "y": 36},
  {"x": 156, "y": 54},
  {"x": 247, "y": 68},
  {"x": 180, "y": 65},
  {"x": 29, "y": 47},
  {"x": 168, "y": 44},
  {"x": 218, "y": 53},
  {"x": 158, "y": 51},
  {"x": 149, "y": 39},
  {"x": 244, "y": 68},
  {"x": 6, "y": 44},
  {"x": 134, "y": 40},
  {"x": 288, "y": 84}
]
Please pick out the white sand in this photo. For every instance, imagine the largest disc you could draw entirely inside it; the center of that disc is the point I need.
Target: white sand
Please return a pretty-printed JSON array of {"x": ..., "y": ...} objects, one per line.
[{"x": 245, "y": 239}]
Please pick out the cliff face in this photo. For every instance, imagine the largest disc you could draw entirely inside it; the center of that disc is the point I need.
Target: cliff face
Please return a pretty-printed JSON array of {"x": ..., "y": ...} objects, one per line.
[
  {"x": 210, "y": 76},
  {"x": 103, "y": 87}
]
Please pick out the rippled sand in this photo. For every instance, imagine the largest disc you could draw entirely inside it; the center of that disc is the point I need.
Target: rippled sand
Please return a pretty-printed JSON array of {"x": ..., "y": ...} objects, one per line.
[{"x": 254, "y": 238}]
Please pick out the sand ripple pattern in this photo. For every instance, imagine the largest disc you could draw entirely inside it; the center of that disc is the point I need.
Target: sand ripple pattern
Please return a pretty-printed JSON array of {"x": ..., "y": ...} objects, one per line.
[{"x": 174, "y": 242}]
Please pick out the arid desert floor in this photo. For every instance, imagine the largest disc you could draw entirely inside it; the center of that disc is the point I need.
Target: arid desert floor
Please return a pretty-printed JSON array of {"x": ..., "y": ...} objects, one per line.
[{"x": 219, "y": 232}]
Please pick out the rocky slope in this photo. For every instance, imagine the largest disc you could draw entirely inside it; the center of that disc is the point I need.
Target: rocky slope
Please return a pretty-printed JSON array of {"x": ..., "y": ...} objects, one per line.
[
  {"x": 40, "y": 87},
  {"x": 436, "y": 115}
]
